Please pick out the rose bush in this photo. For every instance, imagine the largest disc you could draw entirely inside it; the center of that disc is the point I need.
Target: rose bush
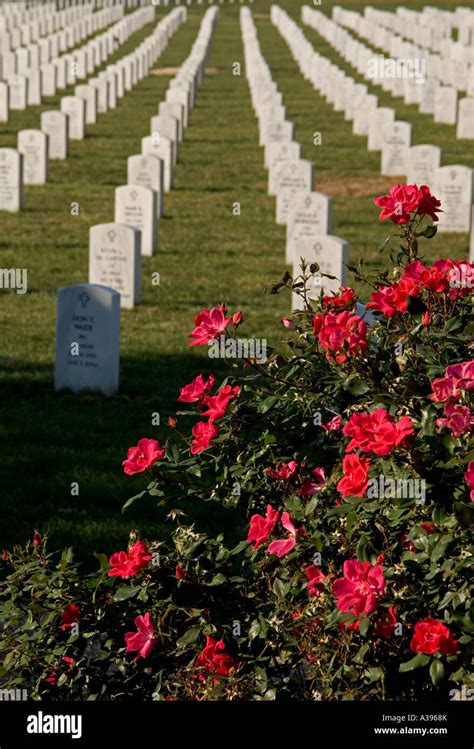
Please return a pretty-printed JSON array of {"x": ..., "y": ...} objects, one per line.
[{"x": 346, "y": 472}]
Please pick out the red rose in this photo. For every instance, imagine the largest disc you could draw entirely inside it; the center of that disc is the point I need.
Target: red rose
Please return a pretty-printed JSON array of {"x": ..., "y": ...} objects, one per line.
[
  {"x": 124, "y": 564},
  {"x": 203, "y": 434},
  {"x": 358, "y": 592},
  {"x": 316, "y": 580},
  {"x": 196, "y": 390},
  {"x": 399, "y": 204},
  {"x": 345, "y": 297},
  {"x": 214, "y": 660},
  {"x": 142, "y": 456},
  {"x": 283, "y": 471},
  {"x": 469, "y": 478},
  {"x": 262, "y": 527},
  {"x": 341, "y": 335},
  {"x": 389, "y": 300},
  {"x": 432, "y": 636},
  {"x": 217, "y": 404},
  {"x": 377, "y": 432},
  {"x": 70, "y": 616},
  {"x": 428, "y": 205},
  {"x": 356, "y": 476}
]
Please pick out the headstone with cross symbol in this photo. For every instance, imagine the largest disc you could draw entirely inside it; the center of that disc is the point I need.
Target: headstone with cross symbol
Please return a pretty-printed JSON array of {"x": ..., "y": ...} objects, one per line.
[
  {"x": 293, "y": 175},
  {"x": 423, "y": 161},
  {"x": 114, "y": 260},
  {"x": 136, "y": 206},
  {"x": 309, "y": 215},
  {"x": 11, "y": 180},
  {"x": 33, "y": 144},
  {"x": 147, "y": 170},
  {"x": 331, "y": 254},
  {"x": 87, "y": 339},
  {"x": 453, "y": 186}
]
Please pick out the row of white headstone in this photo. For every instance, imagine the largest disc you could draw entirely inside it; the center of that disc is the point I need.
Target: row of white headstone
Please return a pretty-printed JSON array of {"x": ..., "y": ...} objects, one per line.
[
  {"x": 44, "y": 78},
  {"x": 115, "y": 249},
  {"x": 307, "y": 214},
  {"x": 450, "y": 34},
  {"x": 28, "y": 165},
  {"x": 88, "y": 315},
  {"x": 452, "y": 184},
  {"x": 419, "y": 84}
]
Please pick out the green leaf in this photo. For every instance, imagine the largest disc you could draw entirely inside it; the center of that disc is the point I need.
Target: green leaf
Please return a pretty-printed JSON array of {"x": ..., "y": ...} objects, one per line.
[
  {"x": 418, "y": 661},
  {"x": 280, "y": 588},
  {"x": 359, "y": 657},
  {"x": 126, "y": 592},
  {"x": 103, "y": 561},
  {"x": 190, "y": 636},
  {"x": 355, "y": 385},
  {"x": 254, "y": 630},
  {"x": 364, "y": 626},
  {"x": 132, "y": 500},
  {"x": 218, "y": 579},
  {"x": 440, "y": 547},
  {"x": 429, "y": 231},
  {"x": 436, "y": 671},
  {"x": 268, "y": 403}
]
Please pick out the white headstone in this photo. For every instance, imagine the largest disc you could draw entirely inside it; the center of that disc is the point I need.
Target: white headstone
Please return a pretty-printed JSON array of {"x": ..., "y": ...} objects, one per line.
[
  {"x": 453, "y": 187},
  {"x": 33, "y": 144},
  {"x": 429, "y": 88},
  {"x": 161, "y": 146},
  {"x": 55, "y": 124},
  {"x": 278, "y": 152},
  {"x": 379, "y": 117},
  {"x": 164, "y": 125},
  {"x": 147, "y": 170},
  {"x": 18, "y": 85},
  {"x": 87, "y": 339},
  {"x": 136, "y": 206},
  {"x": 4, "y": 101},
  {"x": 396, "y": 141},
  {"x": 75, "y": 108},
  {"x": 423, "y": 161},
  {"x": 276, "y": 133},
  {"x": 173, "y": 109},
  {"x": 114, "y": 260},
  {"x": 445, "y": 105},
  {"x": 309, "y": 214},
  {"x": 332, "y": 254},
  {"x": 294, "y": 175},
  {"x": 34, "y": 87},
  {"x": 181, "y": 97},
  {"x": 11, "y": 180},
  {"x": 90, "y": 96},
  {"x": 48, "y": 79},
  {"x": 362, "y": 114},
  {"x": 465, "y": 126}
]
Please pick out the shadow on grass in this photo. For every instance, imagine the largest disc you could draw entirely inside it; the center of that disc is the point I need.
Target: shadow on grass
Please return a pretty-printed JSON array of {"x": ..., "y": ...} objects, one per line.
[{"x": 62, "y": 453}]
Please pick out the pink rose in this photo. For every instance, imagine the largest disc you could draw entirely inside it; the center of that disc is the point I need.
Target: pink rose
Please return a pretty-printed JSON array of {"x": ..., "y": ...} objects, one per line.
[
  {"x": 469, "y": 476},
  {"x": 280, "y": 548},
  {"x": 209, "y": 325},
  {"x": 143, "y": 640}
]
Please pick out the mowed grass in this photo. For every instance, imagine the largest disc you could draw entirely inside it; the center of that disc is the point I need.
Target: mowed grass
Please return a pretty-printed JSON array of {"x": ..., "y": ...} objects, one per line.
[{"x": 206, "y": 255}]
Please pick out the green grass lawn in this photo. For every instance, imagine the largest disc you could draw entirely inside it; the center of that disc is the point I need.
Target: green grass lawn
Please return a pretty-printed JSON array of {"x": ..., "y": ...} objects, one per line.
[{"x": 206, "y": 256}]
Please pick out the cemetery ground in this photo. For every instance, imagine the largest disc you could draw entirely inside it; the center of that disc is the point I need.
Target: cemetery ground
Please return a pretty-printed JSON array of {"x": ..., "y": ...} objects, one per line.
[{"x": 206, "y": 255}]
